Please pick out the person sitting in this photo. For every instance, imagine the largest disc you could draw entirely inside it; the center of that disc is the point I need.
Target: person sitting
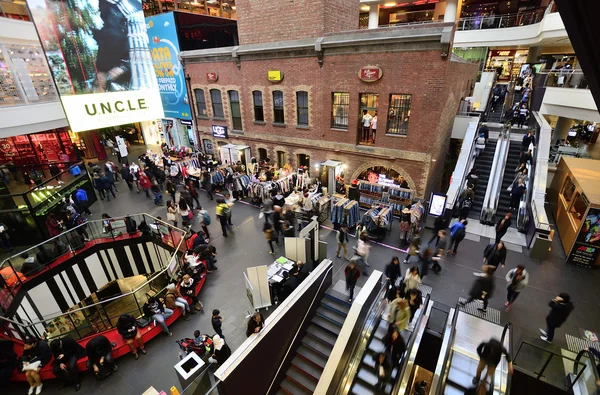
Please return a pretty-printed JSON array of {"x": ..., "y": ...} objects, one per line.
[
  {"x": 221, "y": 351},
  {"x": 187, "y": 287},
  {"x": 36, "y": 354},
  {"x": 128, "y": 329},
  {"x": 99, "y": 353},
  {"x": 155, "y": 310},
  {"x": 174, "y": 300},
  {"x": 66, "y": 354},
  {"x": 30, "y": 266},
  {"x": 8, "y": 360}
]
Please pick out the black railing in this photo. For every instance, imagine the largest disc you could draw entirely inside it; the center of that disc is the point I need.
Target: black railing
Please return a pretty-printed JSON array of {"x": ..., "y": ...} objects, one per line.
[{"x": 508, "y": 328}]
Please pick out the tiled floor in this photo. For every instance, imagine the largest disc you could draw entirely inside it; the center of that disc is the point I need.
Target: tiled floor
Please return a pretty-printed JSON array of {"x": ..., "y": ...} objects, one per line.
[{"x": 247, "y": 247}]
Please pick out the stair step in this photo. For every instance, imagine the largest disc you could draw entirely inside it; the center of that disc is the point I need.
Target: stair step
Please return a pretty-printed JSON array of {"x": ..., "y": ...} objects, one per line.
[
  {"x": 291, "y": 387},
  {"x": 334, "y": 315},
  {"x": 312, "y": 355},
  {"x": 333, "y": 300},
  {"x": 327, "y": 325},
  {"x": 307, "y": 367},
  {"x": 325, "y": 337},
  {"x": 302, "y": 379}
]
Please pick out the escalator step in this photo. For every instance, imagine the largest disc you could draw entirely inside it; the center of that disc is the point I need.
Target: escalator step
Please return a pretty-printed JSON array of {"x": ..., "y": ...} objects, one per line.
[
  {"x": 311, "y": 355},
  {"x": 376, "y": 345},
  {"x": 307, "y": 367},
  {"x": 360, "y": 388},
  {"x": 333, "y": 315},
  {"x": 291, "y": 387}
]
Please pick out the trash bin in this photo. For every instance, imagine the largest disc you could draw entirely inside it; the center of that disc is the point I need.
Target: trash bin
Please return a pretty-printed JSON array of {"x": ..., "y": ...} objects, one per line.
[
  {"x": 540, "y": 246},
  {"x": 193, "y": 373}
]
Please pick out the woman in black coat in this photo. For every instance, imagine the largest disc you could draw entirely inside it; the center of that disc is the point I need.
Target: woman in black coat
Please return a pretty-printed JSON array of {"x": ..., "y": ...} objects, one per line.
[
  {"x": 255, "y": 324},
  {"x": 495, "y": 255}
]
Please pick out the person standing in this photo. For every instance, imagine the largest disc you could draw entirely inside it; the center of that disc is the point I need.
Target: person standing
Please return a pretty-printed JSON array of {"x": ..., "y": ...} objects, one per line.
[
  {"x": 255, "y": 324},
  {"x": 528, "y": 140},
  {"x": 415, "y": 301},
  {"x": 374, "y": 127},
  {"x": 412, "y": 278},
  {"x": 502, "y": 226},
  {"x": 482, "y": 289},
  {"x": 485, "y": 131},
  {"x": 394, "y": 344},
  {"x": 440, "y": 223},
  {"x": 342, "y": 241},
  {"x": 66, "y": 354},
  {"x": 490, "y": 354},
  {"x": 222, "y": 212},
  {"x": 134, "y": 169},
  {"x": 366, "y": 125},
  {"x": 399, "y": 313},
  {"x": 560, "y": 308},
  {"x": 516, "y": 280},
  {"x": 458, "y": 232},
  {"x": 352, "y": 274},
  {"x": 128, "y": 329},
  {"x": 523, "y": 114},
  {"x": 269, "y": 235},
  {"x": 217, "y": 322},
  {"x": 194, "y": 194},
  {"x": 207, "y": 184},
  {"x": 172, "y": 212},
  {"x": 126, "y": 175},
  {"x": 277, "y": 222},
  {"x": 82, "y": 201},
  {"x": 392, "y": 271},
  {"x": 106, "y": 186}
]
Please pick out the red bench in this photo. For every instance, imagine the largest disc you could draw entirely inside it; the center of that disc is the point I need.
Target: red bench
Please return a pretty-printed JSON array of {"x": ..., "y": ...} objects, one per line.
[{"x": 121, "y": 348}]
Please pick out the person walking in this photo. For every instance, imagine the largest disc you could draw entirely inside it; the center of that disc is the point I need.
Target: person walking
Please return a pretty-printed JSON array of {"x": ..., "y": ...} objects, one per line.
[
  {"x": 171, "y": 189},
  {"x": 207, "y": 184},
  {"x": 560, "y": 308},
  {"x": 394, "y": 344},
  {"x": 352, "y": 274},
  {"x": 269, "y": 235},
  {"x": 134, "y": 169},
  {"x": 440, "y": 223},
  {"x": 362, "y": 251},
  {"x": 184, "y": 211},
  {"x": 342, "y": 241},
  {"x": 415, "y": 301},
  {"x": 128, "y": 329},
  {"x": 222, "y": 212},
  {"x": 482, "y": 289},
  {"x": 502, "y": 226},
  {"x": 106, "y": 185},
  {"x": 194, "y": 194},
  {"x": 66, "y": 353},
  {"x": 458, "y": 232},
  {"x": 204, "y": 221},
  {"x": 516, "y": 280},
  {"x": 413, "y": 248},
  {"x": 126, "y": 175},
  {"x": 277, "y": 224},
  {"x": 494, "y": 255},
  {"x": 217, "y": 322},
  {"x": 412, "y": 279},
  {"x": 144, "y": 182},
  {"x": 81, "y": 199},
  {"x": 490, "y": 354},
  {"x": 392, "y": 271},
  {"x": 172, "y": 212}
]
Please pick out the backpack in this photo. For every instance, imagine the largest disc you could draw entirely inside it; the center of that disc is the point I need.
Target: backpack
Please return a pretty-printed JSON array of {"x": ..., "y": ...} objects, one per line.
[
  {"x": 467, "y": 203},
  {"x": 460, "y": 233},
  {"x": 226, "y": 212},
  {"x": 206, "y": 219}
]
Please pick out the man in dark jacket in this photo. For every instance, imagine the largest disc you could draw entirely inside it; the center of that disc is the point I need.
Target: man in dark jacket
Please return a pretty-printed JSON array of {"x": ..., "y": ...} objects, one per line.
[
  {"x": 352, "y": 274},
  {"x": 127, "y": 176},
  {"x": 156, "y": 311},
  {"x": 490, "y": 354},
  {"x": 560, "y": 308},
  {"x": 127, "y": 327},
  {"x": 482, "y": 288},
  {"x": 66, "y": 354},
  {"x": 502, "y": 226},
  {"x": 440, "y": 223},
  {"x": 104, "y": 185},
  {"x": 100, "y": 356},
  {"x": 494, "y": 255}
]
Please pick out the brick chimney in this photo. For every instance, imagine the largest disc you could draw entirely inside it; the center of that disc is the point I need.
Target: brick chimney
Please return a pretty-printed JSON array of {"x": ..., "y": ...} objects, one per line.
[{"x": 262, "y": 21}]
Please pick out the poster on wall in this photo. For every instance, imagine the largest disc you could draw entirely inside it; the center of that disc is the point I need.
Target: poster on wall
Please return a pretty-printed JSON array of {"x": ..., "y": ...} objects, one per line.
[
  {"x": 164, "y": 47},
  {"x": 587, "y": 245},
  {"x": 98, "y": 53}
]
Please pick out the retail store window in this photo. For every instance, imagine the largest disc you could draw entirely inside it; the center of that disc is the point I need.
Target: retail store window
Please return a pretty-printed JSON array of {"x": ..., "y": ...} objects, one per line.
[
  {"x": 234, "y": 107},
  {"x": 398, "y": 114},
  {"x": 340, "y": 103},
  {"x": 278, "y": 114},
  {"x": 568, "y": 190},
  {"x": 281, "y": 159},
  {"x": 369, "y": 102},
  {"x": 262, "y": 154},
  {"x": 259, "y": 114},
  {"x": 200, "y": 102},
  {"x": 304, "y": 161},
  {"x": 302, "y": 107},
  {"x": 578, "y": 209},
  {"x": 217, "y": 103}
]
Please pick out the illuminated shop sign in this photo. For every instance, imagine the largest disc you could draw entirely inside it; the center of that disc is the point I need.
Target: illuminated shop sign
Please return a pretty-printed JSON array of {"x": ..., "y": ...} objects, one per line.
[{"x": 219, "y": 131}]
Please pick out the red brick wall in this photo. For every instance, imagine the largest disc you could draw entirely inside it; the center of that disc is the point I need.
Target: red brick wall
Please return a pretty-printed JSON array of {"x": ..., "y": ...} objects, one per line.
[
  {"x": 436, "y": 87},
  {"x": 261, "y": 21}
]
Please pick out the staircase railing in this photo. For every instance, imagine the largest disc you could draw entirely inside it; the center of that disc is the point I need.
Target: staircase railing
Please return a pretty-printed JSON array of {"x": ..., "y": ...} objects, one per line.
[{"x": 595, "y": 376}]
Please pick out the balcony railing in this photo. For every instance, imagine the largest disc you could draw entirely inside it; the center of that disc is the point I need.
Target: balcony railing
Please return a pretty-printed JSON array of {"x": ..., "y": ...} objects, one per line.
[
  {"x": 565, "y": 79},
  {"x": 500, "y": 21}
]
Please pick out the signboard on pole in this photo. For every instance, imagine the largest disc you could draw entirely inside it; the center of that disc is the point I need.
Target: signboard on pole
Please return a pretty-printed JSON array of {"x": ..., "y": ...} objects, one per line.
[{"x": 99, "y": 57}]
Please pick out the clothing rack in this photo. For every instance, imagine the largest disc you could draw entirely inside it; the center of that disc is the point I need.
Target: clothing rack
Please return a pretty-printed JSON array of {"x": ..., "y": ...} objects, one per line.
[
  {"x": 394, "y": 195},
  {"x": 345, "y": 212},
  {"x": 379, "y": 216}
]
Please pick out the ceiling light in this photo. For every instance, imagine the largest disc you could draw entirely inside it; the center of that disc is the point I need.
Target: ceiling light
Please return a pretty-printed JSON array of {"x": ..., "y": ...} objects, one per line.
[
  {"x": 389, "y": 4},
  {"x": 364, "y": 8}
]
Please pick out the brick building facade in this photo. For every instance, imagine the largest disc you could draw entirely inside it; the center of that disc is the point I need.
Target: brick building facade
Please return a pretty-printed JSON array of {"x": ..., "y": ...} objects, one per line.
[{"x": 318, "y": 71}]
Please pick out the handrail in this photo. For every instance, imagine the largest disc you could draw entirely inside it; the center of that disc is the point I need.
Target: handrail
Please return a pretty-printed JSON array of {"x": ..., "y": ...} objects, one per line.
[
  {"x": 448, "y": 355},
  {"x": 592, "y": 359},
  {"x": 446, "y": 344},
  {"x": 500, "y": 21},
  {"x": 410, "y": 354},
  {"x": 367, "y": 327},
  {"x": 299, "y": 328},
  {"x": 485, "y": 207},
  {"x": 501, "y": 169},
  {"x": 156, "y": 275},
  {"x": 508, "y": 328}
]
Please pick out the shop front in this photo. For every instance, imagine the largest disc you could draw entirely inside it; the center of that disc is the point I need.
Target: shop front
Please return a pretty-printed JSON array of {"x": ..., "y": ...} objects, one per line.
[
  {"x": 507, "y": 62},
  {"x": 382, "y": 185},
  {"x": 575, "y": 189},
  {"x": 233, "y": 153}
]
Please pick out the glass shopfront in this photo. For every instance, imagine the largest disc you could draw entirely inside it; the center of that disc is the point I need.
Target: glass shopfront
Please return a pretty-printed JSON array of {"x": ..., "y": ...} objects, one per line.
[{"x": 506, "y": 62}]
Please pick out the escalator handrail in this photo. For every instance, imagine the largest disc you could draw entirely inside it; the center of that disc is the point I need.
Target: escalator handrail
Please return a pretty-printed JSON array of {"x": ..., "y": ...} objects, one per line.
[
  {"x": 368, "y": 326},
  {"x": 594, "y": 368},
  {"x": 490, "y": 183},
  {"x": 448, "y": 355},
  {"x": 404, "y": 375},
  {"x": 497, "y": 191},
  {"x": 508, "y": 328}
]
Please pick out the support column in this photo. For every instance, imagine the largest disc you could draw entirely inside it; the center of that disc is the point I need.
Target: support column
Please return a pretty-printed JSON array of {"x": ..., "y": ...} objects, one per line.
[
  {"x": 451, "y": 9},
  {"x": 563, "y": 125},
  {"x": 373, "y": 16},
  {"x": 533, "y": 56}
]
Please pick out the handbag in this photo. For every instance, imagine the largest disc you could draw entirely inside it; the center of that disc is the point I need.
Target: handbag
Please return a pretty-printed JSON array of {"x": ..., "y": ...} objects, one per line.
[
  {"x": 190, "y": 215},
  {"x": 171, "y": 217}
]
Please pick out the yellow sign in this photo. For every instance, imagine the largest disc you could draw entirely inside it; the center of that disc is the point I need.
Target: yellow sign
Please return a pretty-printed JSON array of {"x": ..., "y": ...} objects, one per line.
[{"x": 275, "y": 75}]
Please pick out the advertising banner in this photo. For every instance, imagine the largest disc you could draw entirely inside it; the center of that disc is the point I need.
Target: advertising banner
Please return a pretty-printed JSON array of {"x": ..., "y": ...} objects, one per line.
[
  {"x": 164, "y": 47},
  {"x": 98, "y": 53},
  {"x": 587, "y": 245}
]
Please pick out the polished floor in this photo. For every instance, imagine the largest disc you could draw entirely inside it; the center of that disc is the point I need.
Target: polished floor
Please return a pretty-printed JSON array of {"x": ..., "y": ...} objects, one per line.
[{"x": 246, "y": 247}]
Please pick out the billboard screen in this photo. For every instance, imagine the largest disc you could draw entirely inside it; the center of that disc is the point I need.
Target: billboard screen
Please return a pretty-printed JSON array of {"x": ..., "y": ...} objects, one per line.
[
  {"x": 99, "y": 56},
  {"x": 164, "y": 48}
]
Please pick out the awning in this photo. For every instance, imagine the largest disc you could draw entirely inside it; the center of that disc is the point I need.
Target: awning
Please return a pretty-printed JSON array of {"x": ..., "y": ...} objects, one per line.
[{"x": 331, "y": 163}]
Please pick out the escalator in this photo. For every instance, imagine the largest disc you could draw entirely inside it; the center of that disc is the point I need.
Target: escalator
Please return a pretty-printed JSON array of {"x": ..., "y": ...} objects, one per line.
[
  {"x": 496, "y": 111},
  {"x": 484, "y": 165},
  {"x": 302, "y": 376},
  {"x": 512, "y": 162}
]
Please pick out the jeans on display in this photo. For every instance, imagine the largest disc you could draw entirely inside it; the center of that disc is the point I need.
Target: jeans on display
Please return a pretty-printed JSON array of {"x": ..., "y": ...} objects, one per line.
[
  {"x": 160, "y": 319},
  {"x": 183, "y": 305}
]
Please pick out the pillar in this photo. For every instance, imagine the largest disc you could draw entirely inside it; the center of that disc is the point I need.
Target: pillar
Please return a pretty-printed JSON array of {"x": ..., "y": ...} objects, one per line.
[
  {"x": 373, "y": 16},
  {"x": 451, "y": 9},
  {"x": 533, "y": 56},
  {"x": 563, "y": 125}
]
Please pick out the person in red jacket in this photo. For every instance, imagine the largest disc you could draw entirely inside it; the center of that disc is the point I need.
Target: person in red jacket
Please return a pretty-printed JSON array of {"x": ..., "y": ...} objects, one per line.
[
  {"x": 194, "y": 194},
  {"x": 352, "y": 275},
  {"x": 144, "y": 182}
]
